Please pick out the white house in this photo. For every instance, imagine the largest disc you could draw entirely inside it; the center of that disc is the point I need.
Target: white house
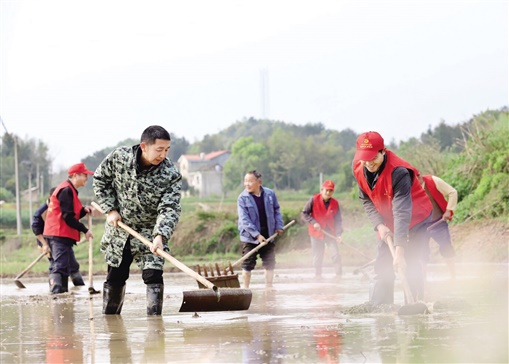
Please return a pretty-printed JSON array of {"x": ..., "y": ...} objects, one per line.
[{"x": 204, "y": 172}]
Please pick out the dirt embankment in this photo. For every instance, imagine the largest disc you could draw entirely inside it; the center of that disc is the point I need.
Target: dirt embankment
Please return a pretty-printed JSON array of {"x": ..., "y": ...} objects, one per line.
[{"x": 481, "y": 241}]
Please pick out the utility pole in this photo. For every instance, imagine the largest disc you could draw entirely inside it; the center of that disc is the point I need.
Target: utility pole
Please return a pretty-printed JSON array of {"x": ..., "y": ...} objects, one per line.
[
  {"x": 28, "y": 165},
  {"x": 18, "y": 204}
]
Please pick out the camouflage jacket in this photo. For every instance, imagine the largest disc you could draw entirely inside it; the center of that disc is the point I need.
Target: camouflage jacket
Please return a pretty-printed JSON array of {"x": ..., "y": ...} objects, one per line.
[{"x": 148, "y": 201}]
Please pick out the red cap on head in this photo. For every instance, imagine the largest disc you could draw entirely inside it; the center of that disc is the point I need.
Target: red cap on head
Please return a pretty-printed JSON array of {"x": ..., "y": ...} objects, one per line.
[
  {"x": 368, "y": 145},
  {"x": 328, "y": 185},
  {"x": 79, "y": 168}
]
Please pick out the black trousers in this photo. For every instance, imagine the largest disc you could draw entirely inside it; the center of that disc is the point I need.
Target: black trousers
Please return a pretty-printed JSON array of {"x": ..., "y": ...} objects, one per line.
[
  {"x": 63, "y": 260},
  {"x": 267, "y": 254},
  {"x": 117, "y": 276}
]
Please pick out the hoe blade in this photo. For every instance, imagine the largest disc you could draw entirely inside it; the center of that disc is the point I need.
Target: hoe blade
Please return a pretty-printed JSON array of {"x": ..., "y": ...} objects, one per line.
[{"x": 225, "y": 299}]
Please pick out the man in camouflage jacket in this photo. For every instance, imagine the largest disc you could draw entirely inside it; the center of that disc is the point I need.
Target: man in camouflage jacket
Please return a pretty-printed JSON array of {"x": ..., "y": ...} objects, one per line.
[{"x": 139, "y": 186}]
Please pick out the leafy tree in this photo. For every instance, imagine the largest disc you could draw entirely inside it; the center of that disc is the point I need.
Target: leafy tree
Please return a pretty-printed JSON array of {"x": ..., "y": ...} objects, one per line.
[
  {"x": 246, "y": 155},
  {"x": 445, "y": 136},
  {"x": 179, "y": 146},
  {"x": 286, "y": 158},
  {"x": 345, "y": 138},
  {"x": 6, "y": 195},
  {"x": 33, "y": 159}
]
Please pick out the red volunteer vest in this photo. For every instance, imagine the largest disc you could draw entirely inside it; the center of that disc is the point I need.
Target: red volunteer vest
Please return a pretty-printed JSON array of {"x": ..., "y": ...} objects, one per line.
[
  {"x": 324, "y": 216},
  {"x": 55, "y": 224},
  {"x": 382, "y": 194},
  {"x": 435, "y": 193}
]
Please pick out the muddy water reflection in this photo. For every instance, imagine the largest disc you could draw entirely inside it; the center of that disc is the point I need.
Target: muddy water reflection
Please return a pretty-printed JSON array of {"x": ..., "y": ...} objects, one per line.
[{"x": 299, "y": 321}]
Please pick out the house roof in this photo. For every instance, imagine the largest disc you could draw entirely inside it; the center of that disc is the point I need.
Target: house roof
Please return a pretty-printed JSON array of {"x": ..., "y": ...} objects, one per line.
[{"x": 206, "y": 157}]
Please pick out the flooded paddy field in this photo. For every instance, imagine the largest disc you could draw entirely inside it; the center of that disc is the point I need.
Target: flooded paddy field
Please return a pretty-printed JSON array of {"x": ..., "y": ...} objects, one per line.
[{"x": 300, "y": 320}]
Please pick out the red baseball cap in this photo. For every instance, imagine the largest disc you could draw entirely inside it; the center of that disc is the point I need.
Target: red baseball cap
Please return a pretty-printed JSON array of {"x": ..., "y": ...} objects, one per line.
[
  {"x": 328, "y": 185},
  {"x": 79, "y": 168},
  {"x": 368, "y": 145}
]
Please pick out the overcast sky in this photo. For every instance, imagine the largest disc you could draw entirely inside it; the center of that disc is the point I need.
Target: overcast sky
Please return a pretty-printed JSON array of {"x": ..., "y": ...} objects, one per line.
[{"x": 82, "y": 76}]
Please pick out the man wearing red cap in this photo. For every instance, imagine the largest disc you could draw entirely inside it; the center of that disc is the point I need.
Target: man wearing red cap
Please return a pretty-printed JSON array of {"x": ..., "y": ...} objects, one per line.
[
  {"x": 397, "y": 206},
  {"x": 323, "y": 214},
  {"x": 38, "y": 222},
  {"x": 62, "y": 227}
]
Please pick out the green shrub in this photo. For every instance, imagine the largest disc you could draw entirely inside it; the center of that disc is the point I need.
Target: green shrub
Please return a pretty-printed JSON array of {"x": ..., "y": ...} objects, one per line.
[
  {"x": 6, "y": 195},
  {"x": 8, "y": 218}
]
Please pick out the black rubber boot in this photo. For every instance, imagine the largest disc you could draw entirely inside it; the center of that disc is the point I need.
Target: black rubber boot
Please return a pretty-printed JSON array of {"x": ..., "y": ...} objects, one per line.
[
  {"x": 77, "y": 279},
  {"x": 55, "y": 283},
  {"x": 113, "y": 299},
  {"x": 65, "y": 284},
  {"x": 155, "y": 292}
]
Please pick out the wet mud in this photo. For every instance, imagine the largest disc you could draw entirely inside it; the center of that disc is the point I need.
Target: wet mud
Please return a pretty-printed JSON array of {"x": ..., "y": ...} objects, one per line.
[{"x": 300, "y": 320}]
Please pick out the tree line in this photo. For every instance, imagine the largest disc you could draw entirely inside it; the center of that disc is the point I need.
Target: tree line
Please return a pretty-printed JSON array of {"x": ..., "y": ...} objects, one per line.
[{"x": 472, "y": 156}]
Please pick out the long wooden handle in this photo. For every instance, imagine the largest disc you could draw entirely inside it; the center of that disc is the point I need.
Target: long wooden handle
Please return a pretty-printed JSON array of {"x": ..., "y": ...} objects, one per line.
[
  {"x": 401, "y": 273},
  {"x": 345, "y": 244},
  {"x": 365, "y": 265},
  {"x": 90, "y": 252},
  {"x": 261, "y": 245},
  {"x": 162, "y": 253},
  {"x": 30, "y": 266}
]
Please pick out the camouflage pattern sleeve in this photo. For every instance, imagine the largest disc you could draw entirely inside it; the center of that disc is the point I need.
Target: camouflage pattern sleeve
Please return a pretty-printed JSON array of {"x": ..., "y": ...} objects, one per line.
[
  {"x": 103, "y": 184},
  {"x": 169, "y": 209}
]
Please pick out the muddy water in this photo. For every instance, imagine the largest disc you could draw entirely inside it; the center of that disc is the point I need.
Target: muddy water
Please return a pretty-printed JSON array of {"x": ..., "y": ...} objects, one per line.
[{"x": 299, "y": 321}]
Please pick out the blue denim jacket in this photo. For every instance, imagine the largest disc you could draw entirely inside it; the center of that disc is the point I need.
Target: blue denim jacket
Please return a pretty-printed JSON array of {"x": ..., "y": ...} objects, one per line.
[{"x": 249, "y": 220}]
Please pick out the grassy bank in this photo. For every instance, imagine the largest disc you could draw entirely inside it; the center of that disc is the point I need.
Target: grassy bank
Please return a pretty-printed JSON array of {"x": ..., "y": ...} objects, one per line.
[{"x": 207, "y": 233}]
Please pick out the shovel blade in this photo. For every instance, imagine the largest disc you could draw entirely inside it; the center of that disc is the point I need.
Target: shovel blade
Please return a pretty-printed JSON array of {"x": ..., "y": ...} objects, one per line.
[
  {"x": 19, "y": 284},
  {"x": 206, "y": 300}
]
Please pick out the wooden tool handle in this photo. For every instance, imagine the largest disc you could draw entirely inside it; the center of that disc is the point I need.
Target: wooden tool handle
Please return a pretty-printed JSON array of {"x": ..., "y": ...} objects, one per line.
[
  {"x": 162, "y": 253},
  {"x": 345, "y": 244},
  {"x": 90, "y": 252},
  {"x": 30, "y": 266},
  {"x": 261, "y": 245},
  {"x": 401, "y": 273}
]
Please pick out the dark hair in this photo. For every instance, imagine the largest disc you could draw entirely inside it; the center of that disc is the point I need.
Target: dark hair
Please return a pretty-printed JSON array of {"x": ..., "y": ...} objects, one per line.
[
  {"x": 255, "y": 173},
  {"x": 51, "y": 190},
  {"x": 154, "y": 132}
]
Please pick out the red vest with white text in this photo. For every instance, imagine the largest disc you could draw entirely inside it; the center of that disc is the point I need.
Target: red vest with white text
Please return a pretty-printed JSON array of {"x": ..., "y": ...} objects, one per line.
[
  {"x": 383, "y": 194},
  {"x": 55, "y": 224},
  {"x": 324, "y": 216}
]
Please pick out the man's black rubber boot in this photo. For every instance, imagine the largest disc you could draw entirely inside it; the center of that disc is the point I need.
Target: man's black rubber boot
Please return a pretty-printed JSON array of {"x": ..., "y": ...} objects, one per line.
[
  {"x": 65, "y": 284},
  {"x": 55, "y": 283},
  {"x": 113, "y": 299},
  {"x": 77, "y": 279},
  {"x": 155, "y": 292}
]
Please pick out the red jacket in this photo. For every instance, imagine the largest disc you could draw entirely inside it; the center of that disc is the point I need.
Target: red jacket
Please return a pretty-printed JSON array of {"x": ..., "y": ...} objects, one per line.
[
  {"x": 55, "y": 224},
  {"x": 324, "y": 216},
  {"x": 383, "y": 194}
]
